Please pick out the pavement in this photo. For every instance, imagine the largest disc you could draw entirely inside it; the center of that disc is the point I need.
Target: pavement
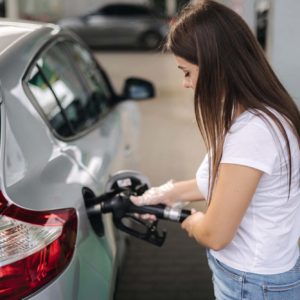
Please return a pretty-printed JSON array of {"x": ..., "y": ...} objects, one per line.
[{"x": 170, "y": 148}]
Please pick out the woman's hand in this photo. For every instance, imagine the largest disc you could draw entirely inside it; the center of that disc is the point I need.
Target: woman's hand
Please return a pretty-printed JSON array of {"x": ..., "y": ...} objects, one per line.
[
  {"x": 163, "y": 194},
  {"x": 189, "y": 223},
  {"x": 171, "y": 194}
]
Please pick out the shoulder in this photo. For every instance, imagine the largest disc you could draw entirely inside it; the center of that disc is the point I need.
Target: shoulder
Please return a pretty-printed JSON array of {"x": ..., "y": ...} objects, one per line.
[
  {"x": 250, "y": 124},
  {"x": 255, "y": 122},
  {"x": 256, "y": 140},
  {"x": 253, "y": 140}
]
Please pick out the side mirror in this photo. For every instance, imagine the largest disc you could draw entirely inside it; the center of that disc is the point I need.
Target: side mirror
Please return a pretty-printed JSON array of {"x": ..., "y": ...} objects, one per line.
[{"x": 138, "y": 89}]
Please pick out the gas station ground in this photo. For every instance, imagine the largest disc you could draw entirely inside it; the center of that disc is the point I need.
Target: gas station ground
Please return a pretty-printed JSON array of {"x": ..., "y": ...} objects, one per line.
[{"x": 176, "y": 271}]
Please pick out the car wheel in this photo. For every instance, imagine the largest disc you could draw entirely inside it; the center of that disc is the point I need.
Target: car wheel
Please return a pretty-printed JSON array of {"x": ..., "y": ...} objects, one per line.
[{"x": 151, "y": 41}]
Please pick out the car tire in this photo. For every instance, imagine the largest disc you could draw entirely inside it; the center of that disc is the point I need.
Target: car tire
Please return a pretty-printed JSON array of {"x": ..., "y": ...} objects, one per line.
[{"x": 151, "y": 41}]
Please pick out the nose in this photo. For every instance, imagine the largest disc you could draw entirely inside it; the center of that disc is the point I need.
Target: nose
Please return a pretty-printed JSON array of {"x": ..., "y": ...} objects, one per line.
[{"x": 187, "y": 83}]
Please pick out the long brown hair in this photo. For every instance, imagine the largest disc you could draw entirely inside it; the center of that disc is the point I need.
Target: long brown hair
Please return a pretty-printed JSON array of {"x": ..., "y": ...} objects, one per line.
[{"x": 233, "y": 72}]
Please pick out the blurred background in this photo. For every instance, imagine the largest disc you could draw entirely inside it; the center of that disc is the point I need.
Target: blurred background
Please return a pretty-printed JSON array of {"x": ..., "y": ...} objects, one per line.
[
  {"x": 142, "y": 25},
  {"x": 127, "y": 37}
]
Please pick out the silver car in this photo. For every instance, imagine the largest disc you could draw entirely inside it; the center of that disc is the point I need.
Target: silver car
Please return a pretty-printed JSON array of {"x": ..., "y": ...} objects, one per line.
[
  {"x": 120, "y": 25},
  {"x": 63, "y": 129}
]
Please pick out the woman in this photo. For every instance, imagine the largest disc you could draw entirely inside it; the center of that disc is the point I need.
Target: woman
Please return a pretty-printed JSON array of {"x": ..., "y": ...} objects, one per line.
[
  {"x": 251, "y": 174},
  {"x": 251, "y": 128}
]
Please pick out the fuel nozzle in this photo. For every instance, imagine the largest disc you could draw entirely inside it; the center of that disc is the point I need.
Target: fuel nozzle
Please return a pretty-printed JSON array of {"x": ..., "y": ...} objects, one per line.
[{"x": 117, "y": 201}]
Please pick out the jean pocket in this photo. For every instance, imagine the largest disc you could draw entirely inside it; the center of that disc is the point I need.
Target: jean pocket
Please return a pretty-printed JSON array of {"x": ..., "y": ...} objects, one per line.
[
  {"x": 289, "y": 291},
  {"x": 227, "y": 270}
]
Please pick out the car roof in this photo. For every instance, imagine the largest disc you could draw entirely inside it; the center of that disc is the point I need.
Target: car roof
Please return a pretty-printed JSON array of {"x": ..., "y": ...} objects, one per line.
[
  {"x": 124, "y": 4},
  {"x": 20, "y": 41}
]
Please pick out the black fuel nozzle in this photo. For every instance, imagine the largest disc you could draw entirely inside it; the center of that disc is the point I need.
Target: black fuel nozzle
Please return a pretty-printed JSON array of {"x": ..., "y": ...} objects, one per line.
[
  {"x": 117, "y": 201},
  {"x": 121, "y": 208}
]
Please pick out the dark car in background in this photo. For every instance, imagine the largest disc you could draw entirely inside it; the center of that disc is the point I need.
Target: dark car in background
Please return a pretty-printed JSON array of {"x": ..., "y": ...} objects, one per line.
[
  {"x": 2, "y": 8},
  {"x": 120, "y": 25}
]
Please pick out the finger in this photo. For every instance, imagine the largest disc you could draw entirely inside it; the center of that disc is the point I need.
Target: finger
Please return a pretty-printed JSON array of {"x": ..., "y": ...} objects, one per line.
[
  {"x": 153, "y": 218},
  {"x": 183, "y": 225},
  {"x": 145, "y": 216},
  {"x": 193, "y": 211},
  {"x": 148, "y": 217},
  {"x": 136, "y": 200},
  {"x": 190, "y": 235},
  {"x": 137, "y": 216}
]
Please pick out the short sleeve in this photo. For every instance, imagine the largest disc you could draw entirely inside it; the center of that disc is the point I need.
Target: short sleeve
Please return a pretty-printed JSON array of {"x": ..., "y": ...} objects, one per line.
[{"x": 251, "y": 144}]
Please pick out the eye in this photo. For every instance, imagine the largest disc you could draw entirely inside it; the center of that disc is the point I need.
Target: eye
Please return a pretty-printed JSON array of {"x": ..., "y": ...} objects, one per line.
[{"x": 186, "y": 74}]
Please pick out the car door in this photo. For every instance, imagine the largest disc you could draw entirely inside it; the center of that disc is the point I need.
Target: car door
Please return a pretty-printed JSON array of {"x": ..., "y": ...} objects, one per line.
[
  {"x": 76, "y": 100},
  {"x": 101, "y": 105},
  {"x": 40, "y": 179},
  {"x": 82, "y": 114}
]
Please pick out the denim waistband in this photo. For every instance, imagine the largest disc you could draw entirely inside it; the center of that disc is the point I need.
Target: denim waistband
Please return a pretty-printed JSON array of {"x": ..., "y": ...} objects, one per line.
[
  {"x": 292, "y": 274},
  {"x": 233, "y": 284}
]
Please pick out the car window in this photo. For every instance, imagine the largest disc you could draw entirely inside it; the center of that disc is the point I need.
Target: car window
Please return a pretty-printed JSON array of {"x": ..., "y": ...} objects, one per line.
[
  {"x": 99, "y": 92},
  {"x": 66, "y": 99},
  {"x": 124, "y": 10}
]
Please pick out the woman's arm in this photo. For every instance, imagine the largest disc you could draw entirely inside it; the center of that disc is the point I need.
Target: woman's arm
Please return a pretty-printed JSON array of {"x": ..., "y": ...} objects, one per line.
[
  {"x": 233, "y": 192},
  {"x": 170, "y": 193}
]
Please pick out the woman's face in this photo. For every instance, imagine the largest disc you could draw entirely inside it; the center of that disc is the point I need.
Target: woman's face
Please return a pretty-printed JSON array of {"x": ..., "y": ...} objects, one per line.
[{"x": 190, "y": 71}]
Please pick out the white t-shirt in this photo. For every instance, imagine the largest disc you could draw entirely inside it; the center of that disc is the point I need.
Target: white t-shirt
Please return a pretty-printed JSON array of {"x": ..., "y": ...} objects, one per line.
[{"x": 266, "y": 241}]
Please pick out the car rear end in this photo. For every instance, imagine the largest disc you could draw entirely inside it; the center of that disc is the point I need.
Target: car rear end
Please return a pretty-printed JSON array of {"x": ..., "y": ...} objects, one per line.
[
  {"x": 36, "y": 247},
  {"x": 48, "y": 249}
]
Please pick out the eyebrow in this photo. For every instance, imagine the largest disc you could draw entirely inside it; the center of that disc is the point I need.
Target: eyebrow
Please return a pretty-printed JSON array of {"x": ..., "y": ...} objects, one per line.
[{"x": 182, "y": 68}]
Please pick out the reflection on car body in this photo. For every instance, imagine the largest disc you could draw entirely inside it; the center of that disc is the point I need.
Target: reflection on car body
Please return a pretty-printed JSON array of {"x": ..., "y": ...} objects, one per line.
[
  {"x": 120, "y": 25},
  {"x": 63, "y": 128}
]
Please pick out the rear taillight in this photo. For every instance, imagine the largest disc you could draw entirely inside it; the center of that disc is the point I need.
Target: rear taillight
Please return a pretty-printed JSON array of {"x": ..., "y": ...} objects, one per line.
[{"x": 35, "y": 247}]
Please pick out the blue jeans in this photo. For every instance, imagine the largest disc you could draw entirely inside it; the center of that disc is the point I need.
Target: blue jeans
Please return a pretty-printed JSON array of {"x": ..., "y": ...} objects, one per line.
[{"x": 232, "y": 284}]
